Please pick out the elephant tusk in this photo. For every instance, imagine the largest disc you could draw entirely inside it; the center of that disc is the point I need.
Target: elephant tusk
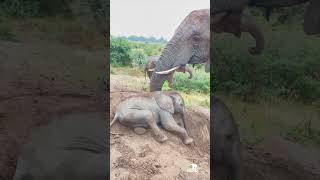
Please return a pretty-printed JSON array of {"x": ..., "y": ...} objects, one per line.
[
  {"x": 151, "y": 69},
  {"x": 168, "y": 71}
]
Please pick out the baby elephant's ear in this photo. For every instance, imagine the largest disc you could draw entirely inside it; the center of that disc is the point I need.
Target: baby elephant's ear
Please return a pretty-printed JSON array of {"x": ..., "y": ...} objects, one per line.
[{"x": 164, "y": 102}]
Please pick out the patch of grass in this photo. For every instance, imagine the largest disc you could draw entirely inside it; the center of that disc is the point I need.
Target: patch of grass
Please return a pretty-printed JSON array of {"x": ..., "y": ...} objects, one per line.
[
  {"x": 288, "y": 119},
  {"x": 6, "y": 33},
  {"x": 131, "y": 71},
  {"x": 200, "y": 82},
  {"x": 196, "y": 99},
  {"x": 192, "y": 96},
  {"x": 303, "y": 133}
]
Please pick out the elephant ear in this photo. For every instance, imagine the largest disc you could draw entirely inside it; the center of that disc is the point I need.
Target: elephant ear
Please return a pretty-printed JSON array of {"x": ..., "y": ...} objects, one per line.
[
  {"x": 312, "y": 18},
  {"x": 164, "y": 102}
]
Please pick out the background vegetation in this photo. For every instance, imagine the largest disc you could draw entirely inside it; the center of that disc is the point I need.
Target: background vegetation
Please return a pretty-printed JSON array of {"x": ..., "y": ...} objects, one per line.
[
  {"x": 289, "y": 68},
  {"x": 134, "y": 54}
]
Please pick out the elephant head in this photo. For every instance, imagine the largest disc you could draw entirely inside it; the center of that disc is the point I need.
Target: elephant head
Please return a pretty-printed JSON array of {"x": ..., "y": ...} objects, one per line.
[
  {"x": 189, "y": 45},
  {"x": 226, "y": 141},
  {"x": 172, "y": 102},
  {"x": 191, "y": 41},
  {"x": 311, "y": 17}
]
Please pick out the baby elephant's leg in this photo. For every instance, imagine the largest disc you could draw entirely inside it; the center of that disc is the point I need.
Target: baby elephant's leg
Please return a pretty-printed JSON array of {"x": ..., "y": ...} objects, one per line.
[
  {"x": 144, "y": 117},
  {"x": 171, "y": 125}
]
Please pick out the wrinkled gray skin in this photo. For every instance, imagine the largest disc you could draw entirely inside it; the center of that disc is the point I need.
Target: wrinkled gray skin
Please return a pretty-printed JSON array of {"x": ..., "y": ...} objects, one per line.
[
  {"x": 226, "y": 154},
  {"x": 311, "y": 17},
  {"x": 73, "y": 147},
  {"x": 147, "y": 110},
  {"x": 191, "y": 42},
  {"x": 151, "y": 64}
]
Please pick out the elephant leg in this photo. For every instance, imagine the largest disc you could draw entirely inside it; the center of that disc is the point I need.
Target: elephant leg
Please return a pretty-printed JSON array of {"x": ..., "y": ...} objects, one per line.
[
  {"x": 172, "y": 126},
  {"x": 170, "y": 80},
  {"x": 149, "y": 74},
  {"x": 138, "y": 118}
]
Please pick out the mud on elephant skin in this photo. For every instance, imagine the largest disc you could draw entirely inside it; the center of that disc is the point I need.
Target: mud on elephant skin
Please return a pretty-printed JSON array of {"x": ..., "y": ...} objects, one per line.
[
  {"x": 226, "y": 155},
  {"x": 73, "y": 147},
  {"x": 148, "y": 110},
  {"x": 151, "y": 64},
  {"x": 190, "y": 43}
]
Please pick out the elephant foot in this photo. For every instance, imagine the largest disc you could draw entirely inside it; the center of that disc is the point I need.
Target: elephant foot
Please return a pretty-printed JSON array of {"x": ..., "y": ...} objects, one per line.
[
  {"x": 139, "y": 130},
  {"x": 187, "y": 140},
  {"x": 162, "y": 138}
]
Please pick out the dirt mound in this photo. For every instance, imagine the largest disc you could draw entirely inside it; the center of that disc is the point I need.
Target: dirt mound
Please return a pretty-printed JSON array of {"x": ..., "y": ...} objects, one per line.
[{"x": 142, "y": 157}]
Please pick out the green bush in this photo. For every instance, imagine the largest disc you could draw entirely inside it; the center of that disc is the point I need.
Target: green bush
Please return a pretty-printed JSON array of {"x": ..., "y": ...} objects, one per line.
[
  {"x": 199, "y": 83},
  {"x": 119, "y": 52},
  {"x": 138, "y": 58},
  {"x": 6, "y": 33},
  {"x": 289, "y": 67},
  {"x": 126, "y": 53},
  {"x": 35, "y": 8}
]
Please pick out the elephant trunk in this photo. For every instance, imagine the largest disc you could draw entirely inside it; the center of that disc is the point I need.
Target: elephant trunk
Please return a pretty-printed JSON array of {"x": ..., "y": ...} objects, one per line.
[
  {"x": 165, "y": 62},
  {"x": 184, "y": 118},
  {"x": 157, "y": 81},
  {"x": 190, "y": 72},
  {"x": 248, "y": 25}
]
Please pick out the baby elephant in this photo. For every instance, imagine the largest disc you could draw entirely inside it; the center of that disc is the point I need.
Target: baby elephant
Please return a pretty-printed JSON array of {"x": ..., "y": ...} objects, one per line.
[
  {"x": 147, "y": 110},
  {"x": 151, "y": 64},
  {"x": 226, "y": 152}
]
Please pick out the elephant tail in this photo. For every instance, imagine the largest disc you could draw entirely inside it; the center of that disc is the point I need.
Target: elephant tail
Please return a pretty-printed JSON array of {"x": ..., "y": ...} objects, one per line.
[{"x": 114, "y": 119}]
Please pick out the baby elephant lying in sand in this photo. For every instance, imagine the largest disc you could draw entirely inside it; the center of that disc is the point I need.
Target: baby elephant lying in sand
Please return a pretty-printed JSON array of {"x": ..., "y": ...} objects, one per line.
[{"x": 148, "y": 110}]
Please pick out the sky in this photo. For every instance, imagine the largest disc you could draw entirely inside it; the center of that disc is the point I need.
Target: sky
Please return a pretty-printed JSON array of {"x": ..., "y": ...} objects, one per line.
[{"x": 157, "y": 18}]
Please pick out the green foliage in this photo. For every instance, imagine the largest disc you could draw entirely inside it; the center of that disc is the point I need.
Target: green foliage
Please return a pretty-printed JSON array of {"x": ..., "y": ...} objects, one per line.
[
  {"x": 291, "y": 72},
  {"x": 138, "y": 58},
  {"x": 126, "y": 53},
  {"x": 119, "y": 52},
  {"x": 6, "y": 33},
  {"x": 34, "y": 8},
  {"x": 21, "y": 8},
  {"x": 199, "y": 83}
]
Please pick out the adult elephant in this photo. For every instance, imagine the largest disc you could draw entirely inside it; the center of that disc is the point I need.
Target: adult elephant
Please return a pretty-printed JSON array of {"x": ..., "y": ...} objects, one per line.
[
  {"x": 311, "y": 17},
  {"x": 191, "y": 42}
]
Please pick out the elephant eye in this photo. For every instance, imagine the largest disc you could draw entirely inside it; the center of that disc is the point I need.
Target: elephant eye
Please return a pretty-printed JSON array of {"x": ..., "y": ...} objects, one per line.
[{"x": 196, "y": 38}]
